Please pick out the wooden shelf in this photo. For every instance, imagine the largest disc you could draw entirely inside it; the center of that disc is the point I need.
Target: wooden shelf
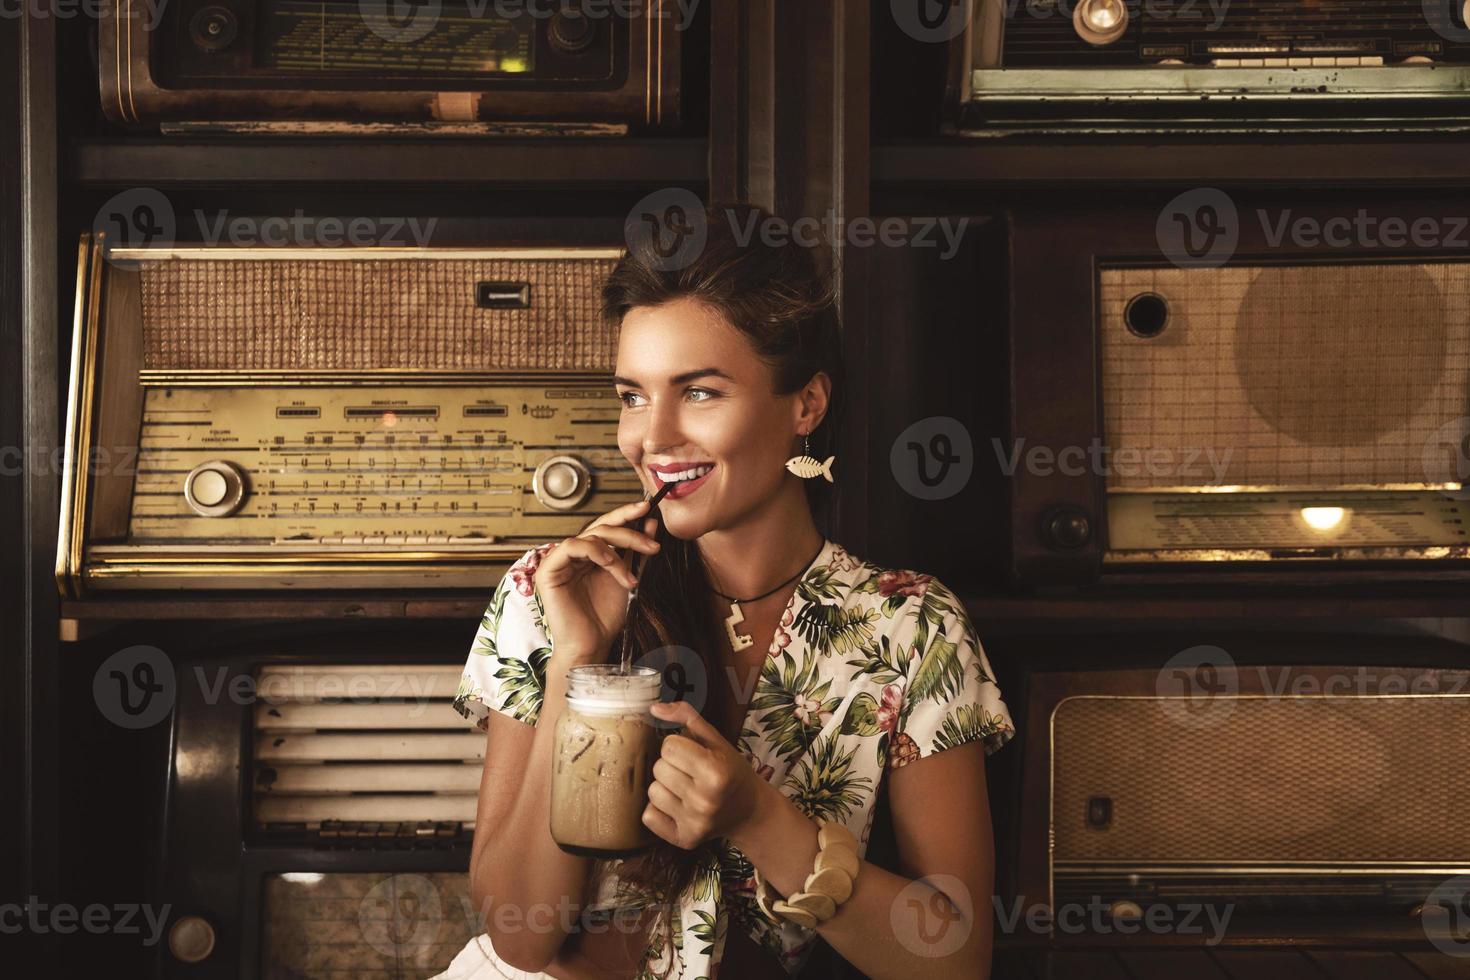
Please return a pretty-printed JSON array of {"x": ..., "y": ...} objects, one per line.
[
  {"x": 975, "y": 163},
  {"x": 499, "y": 162},
  {"x": 1100, "y": 606}
]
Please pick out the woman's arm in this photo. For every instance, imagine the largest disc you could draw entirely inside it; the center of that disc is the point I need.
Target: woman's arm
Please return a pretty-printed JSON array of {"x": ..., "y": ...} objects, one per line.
[
  {"x": 527, "y": 891},
  {"x": 886, "y": 928}
]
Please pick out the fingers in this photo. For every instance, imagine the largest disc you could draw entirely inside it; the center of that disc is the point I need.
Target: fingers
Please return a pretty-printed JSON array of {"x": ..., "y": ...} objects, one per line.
[
  {"x": 696, "y": 728},
  {"x": 679, "y": 782},
  {"x": 623, "y": 537},
  {"x": 593, "y": 549},
  {"x": 619, "y": 515}
]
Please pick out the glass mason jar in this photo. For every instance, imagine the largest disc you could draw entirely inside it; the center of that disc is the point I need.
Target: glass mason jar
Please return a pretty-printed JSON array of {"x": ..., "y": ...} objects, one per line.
[{"x": 606, "y": 743}]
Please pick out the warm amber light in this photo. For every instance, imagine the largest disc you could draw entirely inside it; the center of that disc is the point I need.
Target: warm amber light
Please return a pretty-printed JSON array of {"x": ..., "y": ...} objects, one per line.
[{"x": 1323, "y": 518}]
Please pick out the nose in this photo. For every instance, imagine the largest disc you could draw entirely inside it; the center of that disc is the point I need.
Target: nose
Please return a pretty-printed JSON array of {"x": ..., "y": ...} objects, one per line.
[{"x": 662, "y": 432}]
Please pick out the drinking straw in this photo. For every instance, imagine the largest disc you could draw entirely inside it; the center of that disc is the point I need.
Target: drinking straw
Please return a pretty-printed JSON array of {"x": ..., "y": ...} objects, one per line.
[{"x": 633, "y": 565}]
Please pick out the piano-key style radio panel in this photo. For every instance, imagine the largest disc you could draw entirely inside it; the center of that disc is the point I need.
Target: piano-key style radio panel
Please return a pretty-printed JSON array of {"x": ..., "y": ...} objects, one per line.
[
  {"x": 334, "y": 417},
  {"x": 1103, "y": 65},
  {"x": 289, "y": 63}
]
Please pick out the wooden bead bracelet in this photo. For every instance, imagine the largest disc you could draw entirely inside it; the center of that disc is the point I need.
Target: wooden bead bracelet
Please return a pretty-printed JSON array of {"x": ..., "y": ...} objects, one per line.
[{"x": 827, "y": 887}]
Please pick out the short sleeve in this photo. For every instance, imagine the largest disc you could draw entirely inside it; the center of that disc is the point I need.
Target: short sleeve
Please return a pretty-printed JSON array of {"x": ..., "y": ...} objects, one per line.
[
  {"x": 506, "y": 669},
  {"x": 950, "y": 694}
]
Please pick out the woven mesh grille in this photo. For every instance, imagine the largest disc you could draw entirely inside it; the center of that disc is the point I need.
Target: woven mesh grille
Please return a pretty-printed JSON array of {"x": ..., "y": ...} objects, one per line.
[
  {"x": 1266, "y": 779},
  {"x": 385, "y": 313},
  {"x": 1290, "y": 375}
]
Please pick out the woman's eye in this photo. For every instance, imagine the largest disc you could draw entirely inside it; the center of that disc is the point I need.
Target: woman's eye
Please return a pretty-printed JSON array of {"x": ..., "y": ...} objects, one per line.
[
  {"x": 627, "y": 395},
  {"x": 702, "y": 391}
]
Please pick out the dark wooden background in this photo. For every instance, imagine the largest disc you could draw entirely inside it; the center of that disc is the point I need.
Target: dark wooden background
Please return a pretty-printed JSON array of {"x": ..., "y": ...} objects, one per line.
[{"x": 800, "y": 107}]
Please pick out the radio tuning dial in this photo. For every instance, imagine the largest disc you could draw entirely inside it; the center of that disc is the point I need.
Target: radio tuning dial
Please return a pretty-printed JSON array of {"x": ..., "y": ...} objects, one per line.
[
  {"x": 562, "y": 482},
  {"x": 191, "y": 939},
  {"x": 1100, "y": 22},
  {"x": 572, "y": 30},
  {"x": 215, "y": 489},
  {"x": 213, "y": 29}
]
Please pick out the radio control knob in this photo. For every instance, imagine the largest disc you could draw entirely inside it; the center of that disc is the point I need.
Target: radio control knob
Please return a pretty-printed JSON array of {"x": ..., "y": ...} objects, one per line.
[
  {"x": 1100, "y": 22},
  {"x": 191, "y": 939},
  {"x": 213, "y": 29},
  {"x": 571, "y": 30},
  {"x": 1125, "y": 908},
  {"x": 1066, "y": 528},
  {"x": 215, "y": 488},
  {"x": 562, "y": 482}
]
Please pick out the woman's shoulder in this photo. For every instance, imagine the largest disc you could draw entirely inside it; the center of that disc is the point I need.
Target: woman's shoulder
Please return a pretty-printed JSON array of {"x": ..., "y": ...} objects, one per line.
[{"x": 890, "y": 588}]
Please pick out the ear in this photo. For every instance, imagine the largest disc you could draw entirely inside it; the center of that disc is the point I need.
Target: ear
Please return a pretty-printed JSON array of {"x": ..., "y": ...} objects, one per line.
[{"x": 812, "y": 402}]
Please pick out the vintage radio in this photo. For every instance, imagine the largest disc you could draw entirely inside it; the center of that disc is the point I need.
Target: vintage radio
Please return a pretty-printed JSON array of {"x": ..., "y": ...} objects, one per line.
[
  {"x": 331, "y": 66},
  {"x": 1290, "y": 784},
  {"x": 332, "y": 417},
  {"x": 1277, "y": 404},
  {"x": 319, "y": 808},
  {"x": 1109, "y": 65}
]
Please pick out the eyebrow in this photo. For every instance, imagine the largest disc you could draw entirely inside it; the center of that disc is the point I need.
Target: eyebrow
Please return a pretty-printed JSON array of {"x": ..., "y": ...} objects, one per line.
[{"x": 677, "y": 379}]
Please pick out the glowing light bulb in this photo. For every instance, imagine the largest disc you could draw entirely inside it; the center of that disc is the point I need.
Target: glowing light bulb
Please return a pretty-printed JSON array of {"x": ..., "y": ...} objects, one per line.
[{"x": 1323, "y": 518}]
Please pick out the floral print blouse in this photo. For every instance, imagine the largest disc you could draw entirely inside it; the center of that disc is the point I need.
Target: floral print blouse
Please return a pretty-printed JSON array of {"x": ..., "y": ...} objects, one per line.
[{"x": 870, "y": 669}]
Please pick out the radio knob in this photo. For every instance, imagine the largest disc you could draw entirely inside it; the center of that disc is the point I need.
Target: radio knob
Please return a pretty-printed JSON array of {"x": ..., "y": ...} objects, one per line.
[
  {"x": 215, "y": 488},
  {"x": 1100, "y": 22},
  {"x": 562, "y": 482},
  {"x": 213, "y": 29},
  {"x": 1125, "y": 908},
  {"x": 191, "y": 939},
  {"x": 1066, "y": 528},
  {"x": 571, "y": 30}
]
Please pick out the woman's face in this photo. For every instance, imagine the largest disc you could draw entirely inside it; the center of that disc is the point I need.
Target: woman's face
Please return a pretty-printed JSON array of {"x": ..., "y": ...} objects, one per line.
[{"x": 694, "y": 393}]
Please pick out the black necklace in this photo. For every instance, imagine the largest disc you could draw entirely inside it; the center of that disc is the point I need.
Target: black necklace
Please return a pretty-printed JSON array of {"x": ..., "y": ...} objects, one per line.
[{"x": 736, "y": 616}]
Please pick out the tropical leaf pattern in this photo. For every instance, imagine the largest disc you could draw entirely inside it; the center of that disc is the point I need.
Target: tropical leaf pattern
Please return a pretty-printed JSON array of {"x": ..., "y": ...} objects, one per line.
[{"x": 869, "y": 670}]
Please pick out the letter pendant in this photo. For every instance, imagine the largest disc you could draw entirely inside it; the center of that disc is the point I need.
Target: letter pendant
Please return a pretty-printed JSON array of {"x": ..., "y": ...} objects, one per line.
[{"x": 736, "y": 616}]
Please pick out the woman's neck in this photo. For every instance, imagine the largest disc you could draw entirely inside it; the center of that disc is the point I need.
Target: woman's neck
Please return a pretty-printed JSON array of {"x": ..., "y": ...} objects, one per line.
[{"x": 750, "y": 558}]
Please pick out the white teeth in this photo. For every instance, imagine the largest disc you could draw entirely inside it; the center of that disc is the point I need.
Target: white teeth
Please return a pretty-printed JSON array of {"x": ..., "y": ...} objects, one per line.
[{"x": 693, "y": 474}]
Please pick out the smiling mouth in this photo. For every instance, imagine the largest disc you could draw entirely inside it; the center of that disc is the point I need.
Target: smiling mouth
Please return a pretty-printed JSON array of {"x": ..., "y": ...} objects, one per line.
[{"x": 682, "y": 488}]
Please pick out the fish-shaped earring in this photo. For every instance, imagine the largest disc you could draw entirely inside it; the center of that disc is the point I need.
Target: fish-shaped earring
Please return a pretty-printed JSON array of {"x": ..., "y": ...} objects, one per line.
[{"x": 807, "y": 466}]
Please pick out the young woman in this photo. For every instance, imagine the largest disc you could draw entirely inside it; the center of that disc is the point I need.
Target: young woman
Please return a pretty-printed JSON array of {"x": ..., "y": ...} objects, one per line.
[{"x": 841, "y": 680}]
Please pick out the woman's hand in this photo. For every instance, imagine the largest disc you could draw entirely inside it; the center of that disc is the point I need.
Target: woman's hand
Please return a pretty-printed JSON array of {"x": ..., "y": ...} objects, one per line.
[
  {"x": 702, "y": 787},
  {"x": 583, "y": 582}
]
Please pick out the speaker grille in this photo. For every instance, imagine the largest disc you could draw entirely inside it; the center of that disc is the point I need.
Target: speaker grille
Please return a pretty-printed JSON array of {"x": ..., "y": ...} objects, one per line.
[
  {"x": 1293, "y": 376},
  {"x": 1256, "y": 779},
  {"x": 339, "y": 314}
]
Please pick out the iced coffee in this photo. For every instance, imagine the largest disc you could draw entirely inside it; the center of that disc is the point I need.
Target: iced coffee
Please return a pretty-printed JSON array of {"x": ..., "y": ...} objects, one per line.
[{"x": 606, "y": 745}]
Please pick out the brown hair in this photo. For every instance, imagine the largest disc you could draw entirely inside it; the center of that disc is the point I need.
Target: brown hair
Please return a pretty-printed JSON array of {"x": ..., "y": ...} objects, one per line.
[{"x": 776, "y": 296}]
